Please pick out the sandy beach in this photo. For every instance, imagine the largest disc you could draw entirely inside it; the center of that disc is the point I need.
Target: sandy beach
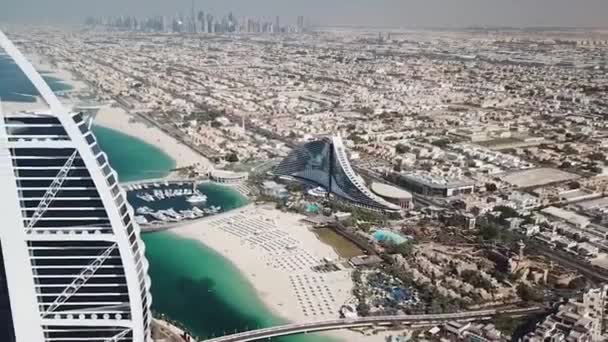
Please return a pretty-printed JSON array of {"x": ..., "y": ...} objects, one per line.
[
  {"x": 274, "y": 250},
  {"x": 111, "y": 117},
  {"x": 277, "y": 252},
  {"x": 120, "y": 120}
]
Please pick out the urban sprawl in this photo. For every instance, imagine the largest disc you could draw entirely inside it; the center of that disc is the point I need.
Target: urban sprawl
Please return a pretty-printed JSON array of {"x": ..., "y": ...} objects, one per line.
[{"x": 487, "y": 148}]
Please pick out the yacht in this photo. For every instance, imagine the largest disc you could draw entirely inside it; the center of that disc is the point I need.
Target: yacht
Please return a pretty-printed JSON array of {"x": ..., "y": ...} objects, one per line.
[
  {"x": 141, "y": 219},
  {"x": 159, "y": 194},
  {"x": 145, "y": 197},
  {"x": 212, "y": 210},
  {"x": 188, "y": 214},
  {"x": 197, "y": 212},
  {"x": 160, "y": 216},
  {"x": 197, "y": 198},
  {"x": 144, "y": 210},
  {"x": 171, "y": 212}
]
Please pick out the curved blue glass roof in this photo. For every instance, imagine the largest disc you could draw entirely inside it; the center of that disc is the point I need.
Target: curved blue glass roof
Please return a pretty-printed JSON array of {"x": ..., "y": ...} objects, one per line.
[{"x": 324, "y": 162}]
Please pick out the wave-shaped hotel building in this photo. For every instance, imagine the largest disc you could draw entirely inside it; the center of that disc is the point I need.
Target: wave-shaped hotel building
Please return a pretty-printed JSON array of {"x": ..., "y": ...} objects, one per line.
[
  {"x": 72, "y": 265},
  {"x": 325, "y": 163}
]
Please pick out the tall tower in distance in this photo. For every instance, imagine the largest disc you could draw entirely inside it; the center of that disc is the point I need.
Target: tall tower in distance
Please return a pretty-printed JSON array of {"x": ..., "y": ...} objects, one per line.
[
  {"x": 72, "y": 265},
  {"x": 210, "y": 24},
  {"x": 201, "y": 20},
  {"x": 193, "y": 21},
  {"x": 300, "y": 23},
  {"x": 277, "y": 24}
]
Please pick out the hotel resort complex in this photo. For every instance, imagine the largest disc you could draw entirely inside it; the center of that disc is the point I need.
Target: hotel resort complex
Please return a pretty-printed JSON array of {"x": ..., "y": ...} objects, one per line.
[
  {"x": 325, "y": 163},
  {"x": 385, "y": 184},
  {"x": 72, "y": 264}
]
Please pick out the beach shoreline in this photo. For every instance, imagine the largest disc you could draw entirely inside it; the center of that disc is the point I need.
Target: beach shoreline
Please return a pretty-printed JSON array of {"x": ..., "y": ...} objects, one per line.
[
  {"x": 120, "y": 120},
  {"x": 276, "y": 288},
  {"x": 65, "y": 76},
  {"x": 46, "y": 69}
]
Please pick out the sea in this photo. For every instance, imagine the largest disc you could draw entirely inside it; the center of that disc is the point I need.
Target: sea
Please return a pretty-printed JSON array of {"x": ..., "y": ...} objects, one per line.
[
  {"x": 192, "y": 285},
  {"x": 15, "y": 87}
]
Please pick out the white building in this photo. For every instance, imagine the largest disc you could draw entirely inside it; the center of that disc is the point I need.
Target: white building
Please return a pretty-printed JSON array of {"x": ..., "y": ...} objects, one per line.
[{"x": 73, "y": 266}]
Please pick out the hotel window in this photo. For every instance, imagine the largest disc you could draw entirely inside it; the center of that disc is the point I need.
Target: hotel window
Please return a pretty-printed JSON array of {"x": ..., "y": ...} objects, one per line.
[
  {"x": 96, "y": 149},
  {"x": 78, "y": 118},
  {"x": 106, "y": 170},
  {"x": 126, "y": 220},
  {"x": 123, "y": 210},
  {"x": 83, "y": 128},
  {"x": 130, "y": 229},
  {"x": 101, "y": 159},
  {"x": 111, "y": 180}
]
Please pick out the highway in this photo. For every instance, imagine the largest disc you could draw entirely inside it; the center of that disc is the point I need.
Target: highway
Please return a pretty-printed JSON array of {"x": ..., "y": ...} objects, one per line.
[
  {"x": 419, "y": 320},
  {"x": 594, "y": 273}
]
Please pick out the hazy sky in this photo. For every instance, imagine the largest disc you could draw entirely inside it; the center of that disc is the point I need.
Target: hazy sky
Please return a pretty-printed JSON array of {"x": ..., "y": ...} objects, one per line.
[{"x": 398, "y": 13}]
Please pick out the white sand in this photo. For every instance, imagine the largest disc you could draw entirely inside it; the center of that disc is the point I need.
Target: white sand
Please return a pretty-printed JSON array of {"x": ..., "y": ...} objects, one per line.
[
  {"x": 276, "y": 273},
  {"x": 120, "y": 120},
  {"x": 115, "y": 118}
]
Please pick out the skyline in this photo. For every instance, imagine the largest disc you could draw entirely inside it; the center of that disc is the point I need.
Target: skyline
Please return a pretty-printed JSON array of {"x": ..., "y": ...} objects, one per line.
[
  {"x": 212, "y": 175},
  {"x": 382, "y": 13}
]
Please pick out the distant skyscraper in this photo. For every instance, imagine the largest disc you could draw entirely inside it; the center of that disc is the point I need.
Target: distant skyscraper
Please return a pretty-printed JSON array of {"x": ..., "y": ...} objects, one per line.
[
  {"x": 277, "y": 25},
  {"x": 201, "y": 20},
  {"x": 193, "y": 20},
  {"x": 210, "y": 24},
  {"x": 72, "y": 265},
  {"x": 300, "y": 23}
]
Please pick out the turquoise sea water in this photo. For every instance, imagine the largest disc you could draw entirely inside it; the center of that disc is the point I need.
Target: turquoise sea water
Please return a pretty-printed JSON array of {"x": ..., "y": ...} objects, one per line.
[
  {"x": 14, "y": 86},
  {"x": 191, "y": 283},
  {"x": 131, "y": 158}
]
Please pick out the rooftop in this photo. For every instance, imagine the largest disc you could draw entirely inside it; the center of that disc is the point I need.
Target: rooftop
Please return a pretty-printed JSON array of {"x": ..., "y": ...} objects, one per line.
[
  {"x": 568, "y": 216},
  {"x": 389, "y": 191},
  {"x": 537, "y": 177}
]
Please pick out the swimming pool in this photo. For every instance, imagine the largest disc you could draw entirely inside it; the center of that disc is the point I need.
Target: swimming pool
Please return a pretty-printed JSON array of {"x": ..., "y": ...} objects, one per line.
[{"x": 383, "y": 236}]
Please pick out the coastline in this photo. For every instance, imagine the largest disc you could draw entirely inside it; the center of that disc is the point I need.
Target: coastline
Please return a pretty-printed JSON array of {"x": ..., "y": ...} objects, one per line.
[
  {"x": 64, "y": 76},
  {"x": 274, "y": 286},
  {"x": 118, "y": 119},
  {"x": 47, "y": 70}
]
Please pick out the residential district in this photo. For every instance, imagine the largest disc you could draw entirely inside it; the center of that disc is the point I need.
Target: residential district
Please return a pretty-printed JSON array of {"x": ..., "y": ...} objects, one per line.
[{"x": 469, "y": 168}]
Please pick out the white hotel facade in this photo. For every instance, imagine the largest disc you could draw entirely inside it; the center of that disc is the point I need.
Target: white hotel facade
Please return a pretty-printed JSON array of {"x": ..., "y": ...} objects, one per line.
[{"x": 72, "y": 265}]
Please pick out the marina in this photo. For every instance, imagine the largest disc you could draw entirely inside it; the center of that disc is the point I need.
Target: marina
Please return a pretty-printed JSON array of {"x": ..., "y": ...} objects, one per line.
[
  {"x": 183, "y": 271},
  {"x": 158, "y": 203}
]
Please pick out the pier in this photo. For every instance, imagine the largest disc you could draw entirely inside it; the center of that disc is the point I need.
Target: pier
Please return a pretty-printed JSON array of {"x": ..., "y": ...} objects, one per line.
[
  {"x": 149, "y": 182},
  {"x": 153, "y": 190}
]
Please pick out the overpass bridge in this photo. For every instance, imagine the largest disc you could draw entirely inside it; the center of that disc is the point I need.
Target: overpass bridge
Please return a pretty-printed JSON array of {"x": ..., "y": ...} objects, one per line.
[{"x": 415, "y": 320}]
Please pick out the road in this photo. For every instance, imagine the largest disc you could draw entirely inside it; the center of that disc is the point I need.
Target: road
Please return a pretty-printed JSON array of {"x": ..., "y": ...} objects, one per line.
[
  {"x": 595, "y": 273},
  {"x": 420, "y": 320}
]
